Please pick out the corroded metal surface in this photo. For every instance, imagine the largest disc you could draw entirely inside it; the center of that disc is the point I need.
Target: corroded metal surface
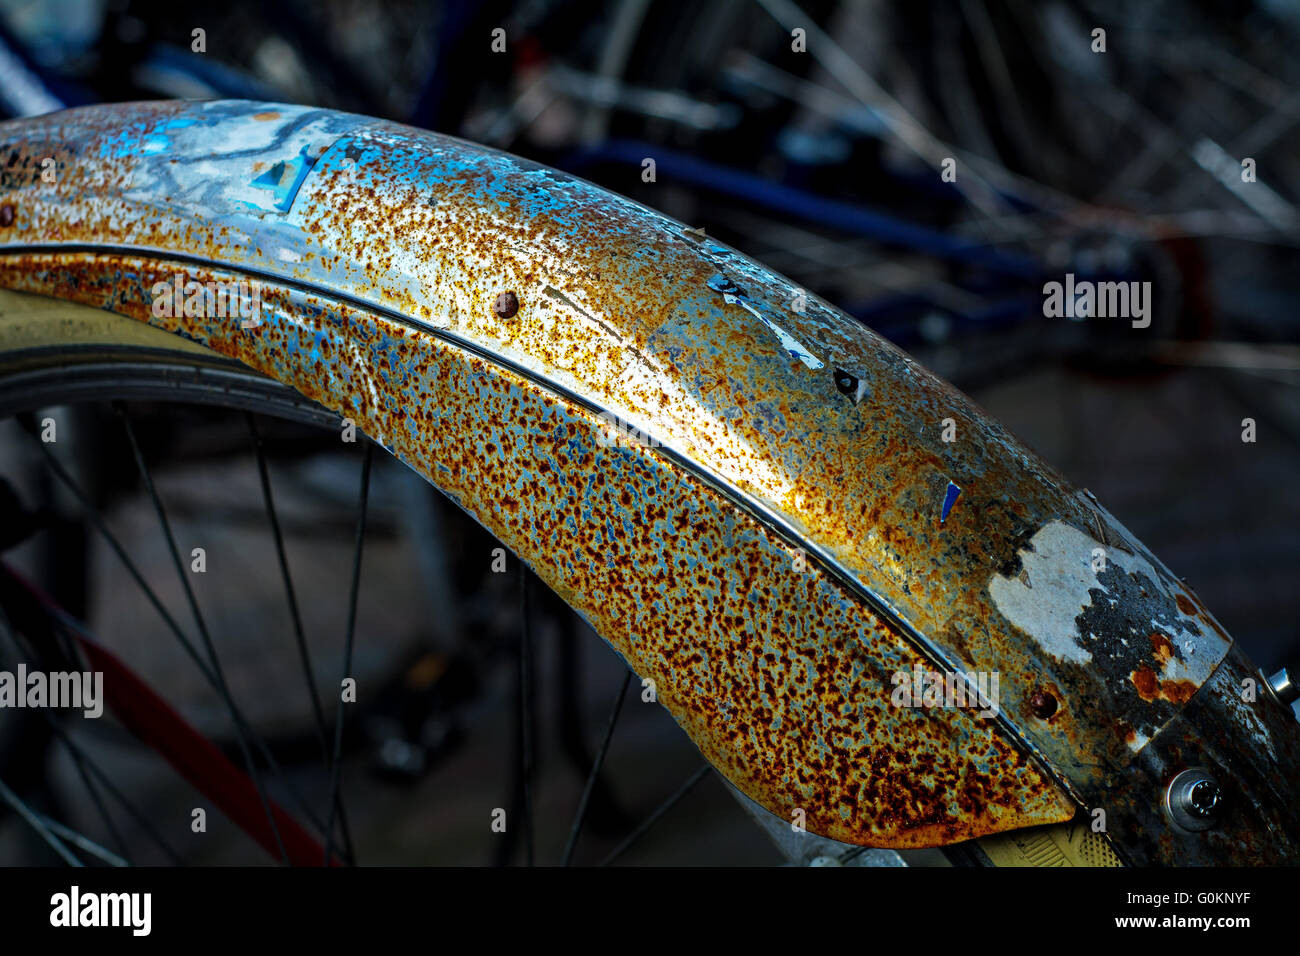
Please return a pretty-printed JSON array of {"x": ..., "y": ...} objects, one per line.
[
  {"x": 491, "y": 284},
  {"x": 781, "y": 677}
]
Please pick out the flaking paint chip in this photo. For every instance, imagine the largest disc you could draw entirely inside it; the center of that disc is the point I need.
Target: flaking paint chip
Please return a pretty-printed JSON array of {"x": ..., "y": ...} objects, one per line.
[{"x": 949, "y": 499}]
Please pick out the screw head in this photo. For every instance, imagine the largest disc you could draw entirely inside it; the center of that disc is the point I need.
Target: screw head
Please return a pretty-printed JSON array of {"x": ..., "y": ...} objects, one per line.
[
  {"x": 7, "y": 215},
  {"x": 1203, "y": 799},
  {"x": 1042, "y": 704},
  {"x": 506, "y": 305},
  {"x": 1194, "y": 800}
]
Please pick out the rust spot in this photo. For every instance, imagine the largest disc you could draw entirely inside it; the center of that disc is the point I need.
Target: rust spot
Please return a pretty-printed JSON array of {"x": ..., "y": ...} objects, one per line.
[
  {"x": 506, "y": 305},
  {"x": 1185, "y": 605},
  {"x": 1144, "y": 679},
  {"x": 270, "y": 115},
  {"x": 1161, "y": 648},
  {"x": 1150, "y": 687}
]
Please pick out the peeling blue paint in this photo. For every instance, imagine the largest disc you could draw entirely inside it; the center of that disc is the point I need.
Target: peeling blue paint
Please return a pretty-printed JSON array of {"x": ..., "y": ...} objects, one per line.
[{"x": 949, "y": 499}]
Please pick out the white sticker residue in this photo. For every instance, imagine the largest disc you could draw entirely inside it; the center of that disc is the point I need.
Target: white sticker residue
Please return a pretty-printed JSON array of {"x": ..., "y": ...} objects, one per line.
[{"x": 1057, "y": 580}]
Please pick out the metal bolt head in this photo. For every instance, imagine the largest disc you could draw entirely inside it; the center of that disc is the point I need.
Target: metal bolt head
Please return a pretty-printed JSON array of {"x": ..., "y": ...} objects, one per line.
[
  {"x": 506, "y": 305},
  {"x": 1283, "y": 686},
  {"x": 1194, "y": 800},
  {"x": 6, "y": 215},
  {"x": 1042, "y": 704}
]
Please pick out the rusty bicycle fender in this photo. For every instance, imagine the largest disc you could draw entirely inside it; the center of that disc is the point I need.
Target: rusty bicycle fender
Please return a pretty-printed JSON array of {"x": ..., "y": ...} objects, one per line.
[{"x": 745, "y": 492}]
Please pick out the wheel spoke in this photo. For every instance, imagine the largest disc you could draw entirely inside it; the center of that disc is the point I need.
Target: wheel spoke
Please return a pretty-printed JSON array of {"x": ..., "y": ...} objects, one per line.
[
  {"x": 595, "y": 769},
  {"x": 95, "y": 518},
  {"x": 304, "y": 656},
  {"x": 86, "y": 766},
  {"x": 37, "y": 823},
  {"x": 83, "y": 842},
  {"x": 363, "y": 500},
  {"x": 92, "y": 513},
  {"x": 222, "y": 687},
  {"x": 655, "y": 817},
  {"x": 68, "y": 647},
  {"x": 291, "y": 598},
  {"x": 84, "y": 760}
]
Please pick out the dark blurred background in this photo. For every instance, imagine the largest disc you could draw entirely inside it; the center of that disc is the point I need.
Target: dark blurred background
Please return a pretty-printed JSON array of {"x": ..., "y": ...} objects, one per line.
[{"x": 810, "y": 135}]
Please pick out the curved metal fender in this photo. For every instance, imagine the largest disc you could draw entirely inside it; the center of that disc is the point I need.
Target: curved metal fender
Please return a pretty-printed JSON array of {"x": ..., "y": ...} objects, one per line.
[{"x": 777, "y": 517}]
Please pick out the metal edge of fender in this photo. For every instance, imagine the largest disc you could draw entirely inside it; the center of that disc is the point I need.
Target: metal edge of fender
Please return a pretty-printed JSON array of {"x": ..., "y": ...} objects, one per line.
[{"x": 972, "y": 548}]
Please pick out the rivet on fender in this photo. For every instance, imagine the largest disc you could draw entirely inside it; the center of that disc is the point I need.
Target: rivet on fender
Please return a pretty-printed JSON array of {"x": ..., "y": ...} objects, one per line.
[{"x": 506, "y": 305}]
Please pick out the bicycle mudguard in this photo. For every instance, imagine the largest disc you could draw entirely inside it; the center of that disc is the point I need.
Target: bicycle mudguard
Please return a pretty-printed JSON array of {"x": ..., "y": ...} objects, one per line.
[{"x": 814, "y": 548}]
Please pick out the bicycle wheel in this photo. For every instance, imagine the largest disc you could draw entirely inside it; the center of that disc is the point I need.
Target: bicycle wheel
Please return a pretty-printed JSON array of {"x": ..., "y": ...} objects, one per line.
[{"x": 746, "y": 493}]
